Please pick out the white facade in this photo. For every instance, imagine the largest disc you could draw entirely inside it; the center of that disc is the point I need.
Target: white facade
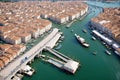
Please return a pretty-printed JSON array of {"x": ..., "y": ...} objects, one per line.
[
  {"x": 99, "y": 27},
  {"x": 78, "y": 15},
  {"x": 42, "y": 30},
  {"x": 72, "y": 17},
  {"x": 44, "y": 16},
  {"x": 12, "y": 40},
  {"x": 15, "y": 41},
  {"x": 26, "y": 38},
  {"x": 67, "y": 18},
  {"x": 48, "y": 27},
  {"x": 86, "y": 9},
  {"x": 35, "y": 34}
]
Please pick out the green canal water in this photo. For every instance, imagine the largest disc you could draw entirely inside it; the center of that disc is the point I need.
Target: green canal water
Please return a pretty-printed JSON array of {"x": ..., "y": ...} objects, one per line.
[{"x": 93, "y": 67}]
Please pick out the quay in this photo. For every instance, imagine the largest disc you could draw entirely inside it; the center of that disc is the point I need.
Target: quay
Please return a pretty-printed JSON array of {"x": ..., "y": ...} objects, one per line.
[
  {"x": 83, "y": 16},
  {"x": 56, "y": 62},
  {"x": 67, "y": 64},
  {"x": 21, "y": 61},
  {"x": 69, "y": 24},
  {"x": 110, "y": 42}
]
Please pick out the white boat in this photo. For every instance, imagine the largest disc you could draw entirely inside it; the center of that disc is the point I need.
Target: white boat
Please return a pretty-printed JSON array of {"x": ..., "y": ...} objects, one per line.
[
  {"x": 62, "y": 37},
  {"x": 93, "y": 38},
  {"x": 58, "y": 47},
  {"x": 117, "y": 53},
  {"x": 82, "y": 40},
  {"x": 107, "y": 52},
  {"x": 27, "y": 70}
]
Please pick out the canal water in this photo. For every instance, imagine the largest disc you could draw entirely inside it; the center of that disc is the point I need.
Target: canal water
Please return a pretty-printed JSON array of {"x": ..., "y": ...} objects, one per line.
[{"x": 93, "y": 67}]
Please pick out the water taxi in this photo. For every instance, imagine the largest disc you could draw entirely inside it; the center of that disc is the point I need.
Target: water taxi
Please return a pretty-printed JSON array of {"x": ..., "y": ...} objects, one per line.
[
  {"x": 84, "y": 30},
  {"x": 82, "y": 40},
  {"x": 58, "y": 47},
  {"x": 107, "y": 52},
  {"x": 93, "y": 38}
]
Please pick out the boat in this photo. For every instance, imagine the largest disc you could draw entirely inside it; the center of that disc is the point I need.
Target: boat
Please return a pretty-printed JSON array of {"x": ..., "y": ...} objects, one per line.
[
  {"x": 107, "y": 52},
  {"x": 104, "y": 43},
  {"x": 82, "y": 40},
  {"x": 27, "y": 70},
  {"x": 117, "y": 52},
  {"x": 93, "y": 38},
  {"x": 94, "y": 53},
  {"x": 62, "y": 37},
  {"x": 60, "y": 41},
  {"x": 84, "y": 30},
  {"x": 72, "y": 30},
  {"x": 58, "y": 47},
  {"x": 56, "y": 44}
]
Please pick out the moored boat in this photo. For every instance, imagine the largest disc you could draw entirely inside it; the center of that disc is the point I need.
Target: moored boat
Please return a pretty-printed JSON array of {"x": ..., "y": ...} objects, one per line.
[
  {"x": 93, "y": 38},
  {"x": 82, "y": 40},
  {"x": 117, "y": 53},
  {"x": 107, "y": 52},
  {"x": 58, "y": 47}
]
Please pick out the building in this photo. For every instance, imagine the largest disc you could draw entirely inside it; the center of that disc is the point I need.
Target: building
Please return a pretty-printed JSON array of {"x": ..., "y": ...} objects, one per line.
[{"x": 108, "y": 23}]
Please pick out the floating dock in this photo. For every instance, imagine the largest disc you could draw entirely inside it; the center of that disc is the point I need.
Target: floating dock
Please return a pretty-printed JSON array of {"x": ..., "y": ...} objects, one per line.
[
  {"x": 67, "y": 64},
  {"x": 56, "y": 62}
]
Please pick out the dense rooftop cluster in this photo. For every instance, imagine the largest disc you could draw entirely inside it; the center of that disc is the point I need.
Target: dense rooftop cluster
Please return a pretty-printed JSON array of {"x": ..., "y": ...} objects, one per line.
[
  {"x": 9, "y": 52},
  {"x": 21, "y": 21},
  {"x": 62, "y": 12},
  {"x": 110, "y": 20}
]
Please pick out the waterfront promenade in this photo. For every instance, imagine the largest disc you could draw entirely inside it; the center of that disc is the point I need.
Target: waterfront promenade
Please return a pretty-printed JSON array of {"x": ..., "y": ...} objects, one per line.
[{"x": 22, "y": 60}]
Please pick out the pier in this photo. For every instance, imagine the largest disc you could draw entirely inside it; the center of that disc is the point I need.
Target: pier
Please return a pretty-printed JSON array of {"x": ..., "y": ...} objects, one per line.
[
  {"x": 58, "y": 54},
  {"x": 56, "y": 62},
  {"x": 67, "y": 64}
]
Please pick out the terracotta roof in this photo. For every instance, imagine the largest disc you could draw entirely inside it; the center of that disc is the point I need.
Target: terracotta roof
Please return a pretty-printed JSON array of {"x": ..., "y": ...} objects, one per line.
[
  {"x": 1, "y": 64},
  {"x": 5, "y": 47},
  {"x": 4, "y": 59},
  {"x": 111, "y": 15},
  {"x": 12, "y": 52}
]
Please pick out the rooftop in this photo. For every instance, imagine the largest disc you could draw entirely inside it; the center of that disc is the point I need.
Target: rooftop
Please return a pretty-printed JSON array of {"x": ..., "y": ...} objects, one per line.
[{"x": 110, "y": 19}]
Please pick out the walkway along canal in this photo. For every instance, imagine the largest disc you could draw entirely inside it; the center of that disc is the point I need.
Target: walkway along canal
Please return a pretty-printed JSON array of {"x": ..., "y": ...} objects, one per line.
[{"x": 18, "y": 63}]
